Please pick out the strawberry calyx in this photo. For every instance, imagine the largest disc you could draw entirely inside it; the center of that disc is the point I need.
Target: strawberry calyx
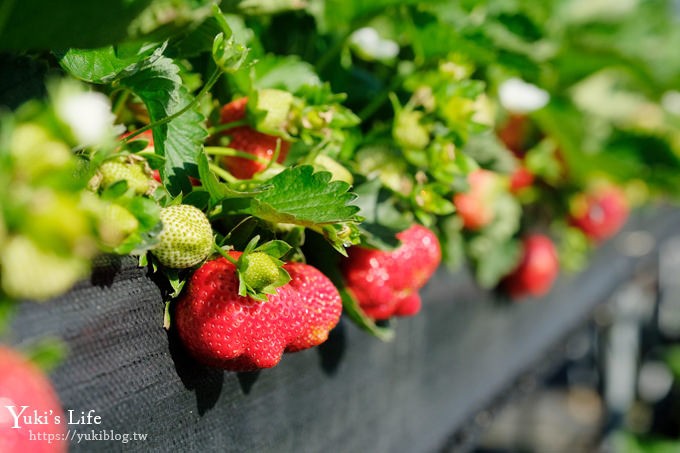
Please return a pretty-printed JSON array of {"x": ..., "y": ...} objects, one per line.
[{"x": 260, "y": 268}]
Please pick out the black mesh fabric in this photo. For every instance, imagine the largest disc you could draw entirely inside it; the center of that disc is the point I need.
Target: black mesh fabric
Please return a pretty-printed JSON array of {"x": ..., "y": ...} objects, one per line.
[{"x": 353, "y": 394}]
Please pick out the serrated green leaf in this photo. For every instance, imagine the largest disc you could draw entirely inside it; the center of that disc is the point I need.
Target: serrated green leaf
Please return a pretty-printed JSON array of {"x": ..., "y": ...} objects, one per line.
[
  {"x": 105, "y": 64},
  {"x": 301, "y": 197},
  {"x": 285, "y": 73},
  {"x": 180, "y": 141}
]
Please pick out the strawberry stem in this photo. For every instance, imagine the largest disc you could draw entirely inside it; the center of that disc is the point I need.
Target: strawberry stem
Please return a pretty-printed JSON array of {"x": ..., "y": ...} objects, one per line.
[
  {"x": 224, "y": 254},
  {"x": 222, "y": 173},
  {"x": 231, "y": 152},
  {"x": 223, "y": 127},
  {"x": 275, "y": 157},
  {"x": 214, "y": 77}
]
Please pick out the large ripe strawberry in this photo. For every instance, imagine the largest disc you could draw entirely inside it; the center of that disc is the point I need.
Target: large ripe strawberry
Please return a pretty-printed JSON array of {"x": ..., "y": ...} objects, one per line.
[
  {"x": 537, "y": 270},
  {"x": 22, "y": 384},
  {"x": 386, "y": 284},
  {"x": 246, "y": 139},
  {"x": 601, "y": 212},
  {"x": 220, "y": 328},
  {"x": 476, "y": 206}
]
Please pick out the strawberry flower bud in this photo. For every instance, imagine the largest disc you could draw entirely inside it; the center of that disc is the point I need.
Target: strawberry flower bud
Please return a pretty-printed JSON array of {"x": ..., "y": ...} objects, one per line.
[{"x": 519, "y": 96}]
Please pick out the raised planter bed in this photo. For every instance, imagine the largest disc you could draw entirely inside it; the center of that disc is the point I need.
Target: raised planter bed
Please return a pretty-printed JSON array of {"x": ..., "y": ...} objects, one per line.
[{"x": 354, "y": 393}]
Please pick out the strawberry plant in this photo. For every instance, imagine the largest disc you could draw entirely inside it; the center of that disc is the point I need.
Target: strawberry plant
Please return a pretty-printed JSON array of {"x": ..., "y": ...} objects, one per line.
[{"x": 249, "y": 151}]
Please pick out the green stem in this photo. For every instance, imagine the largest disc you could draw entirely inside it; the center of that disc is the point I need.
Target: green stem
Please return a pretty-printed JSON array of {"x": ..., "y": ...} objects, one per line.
[
  {"x": 231, "y": 152},
  {"x": 120, "y": 103},
  {"x": 314, "y": 152},
  {"x": 214, "y": 77},
  {"x": 221, "y": 251},
  {"x": 222, "y": 173},
  {"x": 223, "y": 127}
]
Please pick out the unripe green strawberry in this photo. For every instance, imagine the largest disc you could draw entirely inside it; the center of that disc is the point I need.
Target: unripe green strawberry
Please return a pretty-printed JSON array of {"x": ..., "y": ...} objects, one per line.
[
  {"x": 261, "y": 271},
  {"x": 36, "y": 153},
  {"x": 276, "y": 104},
  {"x": 138, "y": 178},
  {"x": 340, "y": 173},
  {"x": 116, "y": 224},
  {"x": 408, "y": 132},
  {"x": 29, "y": 272},
  {"x": 59, "y": 220},
  {"x": 186, "y": 238}
]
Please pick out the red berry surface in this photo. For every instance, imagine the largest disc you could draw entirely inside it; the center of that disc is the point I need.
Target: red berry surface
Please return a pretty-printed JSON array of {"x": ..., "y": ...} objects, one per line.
[
  {"x": 248, "y": 140},
  {"x": 228, "y": 331},
  {"x": 23, "y": 384},
  {"x": 386, "y": 284},
  {"x": 520, "y": 179},
  {"x": 601, "y": 213},
  {"x": 476, "y": 206},
  {"x": 537, "y": 270}
]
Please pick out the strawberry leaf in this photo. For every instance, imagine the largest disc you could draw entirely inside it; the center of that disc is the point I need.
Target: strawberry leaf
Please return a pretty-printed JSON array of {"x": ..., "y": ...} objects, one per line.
[
  {"x": 104, "y": 65},
  {"x": 219, "y": 191},
  {"x": 301, "y": 197},
  {"x": 180, "y": 141}
]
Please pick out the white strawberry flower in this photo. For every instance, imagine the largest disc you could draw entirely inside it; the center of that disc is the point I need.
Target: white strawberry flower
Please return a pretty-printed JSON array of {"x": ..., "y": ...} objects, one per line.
[
  {"x": 516, "y": 95},
  {"x": 372, "y": 46},
  {"x": 87, "y": 113}
]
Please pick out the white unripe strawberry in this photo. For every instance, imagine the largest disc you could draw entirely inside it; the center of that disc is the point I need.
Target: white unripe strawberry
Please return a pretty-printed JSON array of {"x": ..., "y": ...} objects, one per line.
[{"x": 186, "y": 238}]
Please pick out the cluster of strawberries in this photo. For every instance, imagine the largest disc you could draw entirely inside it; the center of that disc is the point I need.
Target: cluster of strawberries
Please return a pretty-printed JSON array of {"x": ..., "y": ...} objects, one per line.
[{"x": 223, "y": 326}]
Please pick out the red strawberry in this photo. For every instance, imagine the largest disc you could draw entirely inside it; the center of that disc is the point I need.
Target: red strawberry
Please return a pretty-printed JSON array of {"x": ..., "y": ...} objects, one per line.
[
  {"x": 537, "y": 270},
  {"x": 228, "y": 331},
  {"x": 247, "y": 139},
  {"x": 520, "y": 179},
  {"x": 386, "y": 284},
  {"x": 516, "y": 133},
  {"x": 476, "y": 206},
  {"x": 147, "y": 136},
  {"x": 600, "y": 213},
  {"x": 22, "y": 384}
]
